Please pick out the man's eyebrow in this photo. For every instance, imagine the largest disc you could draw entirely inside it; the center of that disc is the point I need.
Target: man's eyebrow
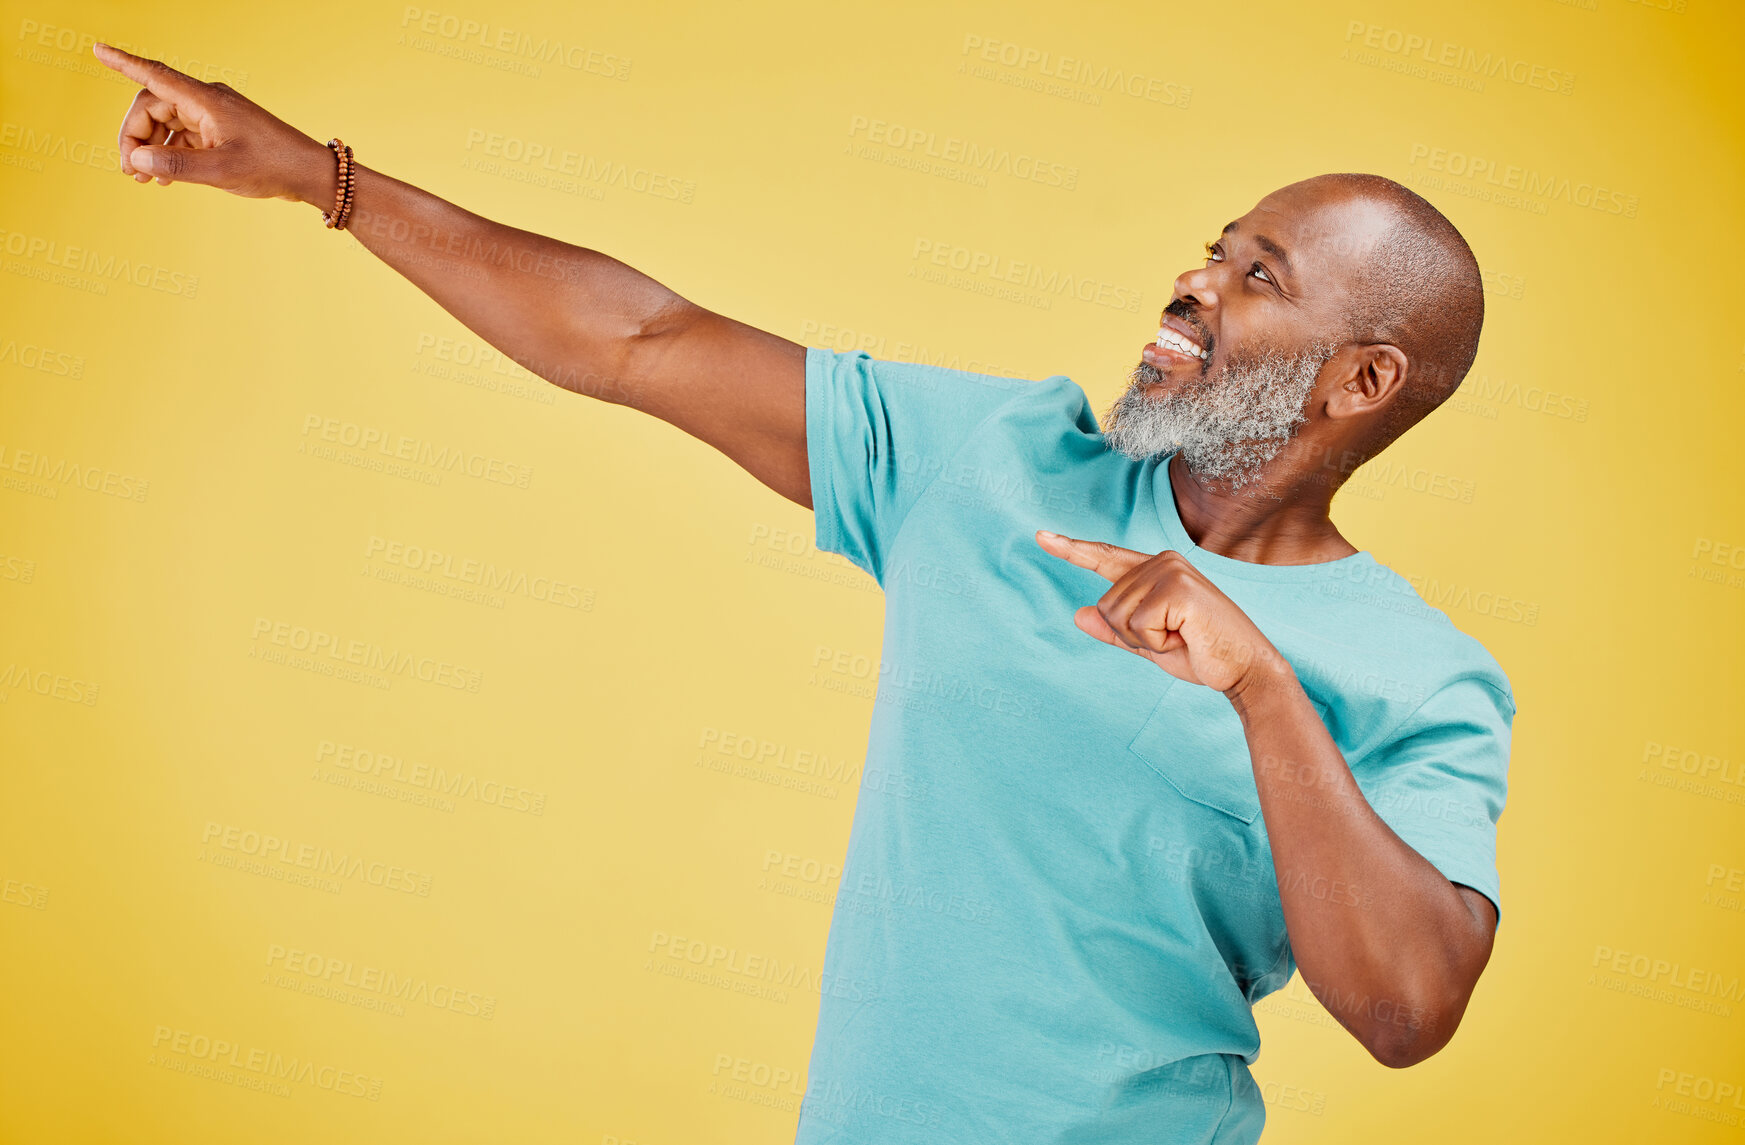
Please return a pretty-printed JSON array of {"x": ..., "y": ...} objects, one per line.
[{"x": 1268, "y": 246}]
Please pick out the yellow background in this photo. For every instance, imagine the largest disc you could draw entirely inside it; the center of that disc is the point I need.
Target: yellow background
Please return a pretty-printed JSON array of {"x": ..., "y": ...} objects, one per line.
[{"x": 1596, "y": 557}]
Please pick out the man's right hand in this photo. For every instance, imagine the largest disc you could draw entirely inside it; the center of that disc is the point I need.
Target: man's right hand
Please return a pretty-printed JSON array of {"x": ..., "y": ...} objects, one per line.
[{"x": 180, "y": 130}]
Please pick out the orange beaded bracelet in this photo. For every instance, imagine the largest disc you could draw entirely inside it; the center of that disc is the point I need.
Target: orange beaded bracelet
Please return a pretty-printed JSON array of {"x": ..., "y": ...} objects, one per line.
[{"x": 341, "y": 213}]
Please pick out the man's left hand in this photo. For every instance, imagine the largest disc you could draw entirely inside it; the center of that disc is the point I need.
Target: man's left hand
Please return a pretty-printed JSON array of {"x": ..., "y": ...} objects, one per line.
[{"x": 1163, "y": 608}]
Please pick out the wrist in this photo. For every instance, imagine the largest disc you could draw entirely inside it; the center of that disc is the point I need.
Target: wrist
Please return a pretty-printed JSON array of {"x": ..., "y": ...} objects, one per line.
[
  {"x": 315, "y": 176},
  {"x": 1268, "y": 677}
]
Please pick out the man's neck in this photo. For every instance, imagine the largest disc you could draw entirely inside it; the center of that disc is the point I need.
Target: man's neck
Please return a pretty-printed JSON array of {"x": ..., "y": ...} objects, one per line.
[{"x": 1273, "y": 521}]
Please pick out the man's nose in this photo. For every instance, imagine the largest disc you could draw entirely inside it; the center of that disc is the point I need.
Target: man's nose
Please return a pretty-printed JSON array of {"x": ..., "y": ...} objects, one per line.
[{"x": 1195, "y": 286}]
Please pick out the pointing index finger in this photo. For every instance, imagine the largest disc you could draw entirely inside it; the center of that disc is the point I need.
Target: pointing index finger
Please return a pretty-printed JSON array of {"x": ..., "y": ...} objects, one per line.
[
  {"x": 160, "y": 78},
  {"x": 1108, "y": 561}
]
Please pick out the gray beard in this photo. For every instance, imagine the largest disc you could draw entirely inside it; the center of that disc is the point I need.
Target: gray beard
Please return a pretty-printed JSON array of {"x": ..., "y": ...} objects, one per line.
[{"x": 1228, "y": 423}]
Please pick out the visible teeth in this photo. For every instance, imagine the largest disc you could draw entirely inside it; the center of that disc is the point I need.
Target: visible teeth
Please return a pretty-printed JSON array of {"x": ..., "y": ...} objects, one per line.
[{"x": 1168, "y": 339}]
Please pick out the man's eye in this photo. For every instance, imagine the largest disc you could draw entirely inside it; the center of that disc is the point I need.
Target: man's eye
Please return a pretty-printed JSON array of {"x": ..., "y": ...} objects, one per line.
[
  {"x": 1260, "y": 272},
  {"x": 1213, "y": 254}
]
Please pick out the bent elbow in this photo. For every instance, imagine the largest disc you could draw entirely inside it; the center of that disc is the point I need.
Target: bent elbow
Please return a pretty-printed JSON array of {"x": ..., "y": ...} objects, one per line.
[
  {"x": 1407, "y": 1044},
  {"x": 1399, "y": 1053}
]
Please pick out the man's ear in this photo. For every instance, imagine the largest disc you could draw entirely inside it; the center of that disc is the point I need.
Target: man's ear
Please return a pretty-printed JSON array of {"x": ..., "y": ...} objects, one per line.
[{"x": 1368, "y": 378}]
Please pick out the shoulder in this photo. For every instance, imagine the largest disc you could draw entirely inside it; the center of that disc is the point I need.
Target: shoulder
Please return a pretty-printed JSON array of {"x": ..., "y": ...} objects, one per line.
[
  {"x": 1040, "y": 410},
  {"x": 951, "y": 390},
  {"x": 948, "y": 372},
  {"x": 1390, "y": 659},
  {"x": 1463, "y": 656}
]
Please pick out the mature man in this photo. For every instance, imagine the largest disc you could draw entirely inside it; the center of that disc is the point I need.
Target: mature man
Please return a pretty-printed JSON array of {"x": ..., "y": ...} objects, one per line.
[{"x": 1085, "y": 859}]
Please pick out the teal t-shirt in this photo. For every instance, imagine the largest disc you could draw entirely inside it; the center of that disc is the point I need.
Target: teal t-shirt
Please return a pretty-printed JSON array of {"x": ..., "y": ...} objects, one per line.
[{"x": 1058, "y": 904}]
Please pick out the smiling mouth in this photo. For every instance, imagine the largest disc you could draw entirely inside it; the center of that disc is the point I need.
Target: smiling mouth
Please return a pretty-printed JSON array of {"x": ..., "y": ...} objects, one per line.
[{"x": 1168, "y": 339}]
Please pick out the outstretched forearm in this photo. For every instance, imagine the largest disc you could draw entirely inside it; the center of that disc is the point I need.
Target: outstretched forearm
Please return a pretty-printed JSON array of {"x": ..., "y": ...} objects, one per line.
[
  {"x": 576, "y": 317},
  {"x": 570, "y": 315},
  {"x": 590, "y": 323}
]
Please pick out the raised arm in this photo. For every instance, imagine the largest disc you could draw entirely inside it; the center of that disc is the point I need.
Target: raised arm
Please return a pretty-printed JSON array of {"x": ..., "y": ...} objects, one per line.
[{"x": 573, "y": 316}]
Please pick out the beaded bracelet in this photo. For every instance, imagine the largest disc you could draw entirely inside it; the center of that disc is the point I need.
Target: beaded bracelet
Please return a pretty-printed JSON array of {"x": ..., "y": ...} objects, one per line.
[
  {"x": 347, "y": 183},
  {"x": 350, "y": 188}
]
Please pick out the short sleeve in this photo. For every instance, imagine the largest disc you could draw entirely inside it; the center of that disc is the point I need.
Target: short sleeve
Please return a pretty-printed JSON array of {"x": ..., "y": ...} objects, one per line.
[
  {"x": 1441, "y": 781},
  {"x": 877, "y": 434}
]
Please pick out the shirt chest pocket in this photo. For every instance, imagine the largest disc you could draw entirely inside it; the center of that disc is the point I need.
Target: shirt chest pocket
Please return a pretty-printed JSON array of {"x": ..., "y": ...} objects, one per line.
[{"x": 1194, "y": 739}]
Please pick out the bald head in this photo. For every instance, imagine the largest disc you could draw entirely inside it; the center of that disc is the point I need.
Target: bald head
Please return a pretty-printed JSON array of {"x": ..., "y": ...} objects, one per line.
[
  {"x": 1414, "y": 284},
  {"x": 1326, "y": 321}
]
